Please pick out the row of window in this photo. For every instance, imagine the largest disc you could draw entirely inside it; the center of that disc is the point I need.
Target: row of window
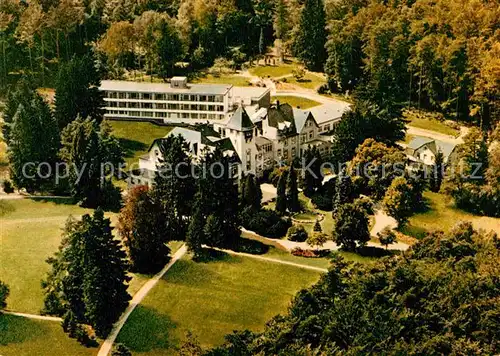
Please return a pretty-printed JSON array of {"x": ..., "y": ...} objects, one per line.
[
  {"x": 161, "y": 106},
  {"x": 161, "y": 115},
  {"x": 325, "y": 128},
  {"x": 162, "y": 96}
]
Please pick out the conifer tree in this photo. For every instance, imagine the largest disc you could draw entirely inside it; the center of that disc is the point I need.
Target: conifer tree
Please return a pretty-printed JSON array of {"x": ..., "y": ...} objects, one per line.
[
  {"x": 105, "y": 280},
  {"x": 88, "y": 148},
  {"x": 437, "y": 172},
  {"x": 281, "y": 194},
  {"x": 196, "y": 234},
  {"x": 343, "y": 191},
  {"x": 309, "y": 183},
  {"x": 293, "y": 203},
  {"x": 317, "y": 226},
  {"x": 33, "y": 145},
  {"x": 89, "y": 274},
  {"x": 252, "y": 195},
  {"x": 77, "y": 92},
  {"x": 174, "y": 186},
  {"x": 23, "y": 93},
  {"x": 310, "y": 41}
]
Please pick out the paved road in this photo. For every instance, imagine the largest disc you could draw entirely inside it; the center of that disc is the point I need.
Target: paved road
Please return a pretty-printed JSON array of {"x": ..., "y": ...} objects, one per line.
[
  {"x": 415, "y": 131},
  {"x": 107, "y": 345}
]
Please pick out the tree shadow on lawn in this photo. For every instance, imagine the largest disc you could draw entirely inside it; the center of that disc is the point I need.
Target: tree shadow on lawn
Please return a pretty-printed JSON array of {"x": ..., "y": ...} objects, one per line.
[
  {"x": 372, "y": 251},
  {"x": 131, "y": 146},
  {"x": 210, "y": 255},
  {"x": 55, "y": 200},
  {"x": 147, "y": 330},
  {"x": 16, "y": 329}
]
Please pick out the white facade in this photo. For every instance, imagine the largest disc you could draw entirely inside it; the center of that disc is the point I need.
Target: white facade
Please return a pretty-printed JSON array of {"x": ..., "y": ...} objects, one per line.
[
  {"x": 177, "y": 102},
  {"x": 258, "y": 142}
]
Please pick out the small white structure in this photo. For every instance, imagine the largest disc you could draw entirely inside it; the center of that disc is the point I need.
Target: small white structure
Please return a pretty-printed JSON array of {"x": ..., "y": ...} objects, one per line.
[{"x": 423, "y": 150}]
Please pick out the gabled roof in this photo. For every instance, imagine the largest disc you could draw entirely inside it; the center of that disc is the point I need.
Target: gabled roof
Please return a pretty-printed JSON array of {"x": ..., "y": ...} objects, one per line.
[
  {"x": 434, "y": 145},
  {"x": 419, "y": 141},
  {"x": 240, "y": 121},
  {"x": 279, "y": 114},
  {"x": 300, "y": 118}
]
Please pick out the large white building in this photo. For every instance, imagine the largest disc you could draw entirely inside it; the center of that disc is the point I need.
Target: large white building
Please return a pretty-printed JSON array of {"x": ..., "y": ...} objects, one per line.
[
  {"x": 257, "y": 139},
  {"x": 178, "y": 101}
]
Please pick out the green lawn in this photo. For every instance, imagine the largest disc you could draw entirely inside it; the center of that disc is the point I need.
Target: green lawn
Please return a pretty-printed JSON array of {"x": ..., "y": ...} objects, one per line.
[
  {"x": 31, "y": 232},
  {"x": 211, "y": 299},
  {"x": 310, "y": 81},
  {"x": 433, "y": 125},
  {"x": 26, "y": 337},
  {"x": 442, "y": 215},
  {"x": 236, "y": 80},
  {"x": 272, "y": 71},
  {"x": 296, "y": 101},
  {"x": 136, "y": 137}
]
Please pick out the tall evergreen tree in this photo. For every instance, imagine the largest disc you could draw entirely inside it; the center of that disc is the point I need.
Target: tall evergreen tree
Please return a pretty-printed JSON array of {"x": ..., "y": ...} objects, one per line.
[
  {"x": 281, "y": 194},
  {"x": 292, "y": 195},
  {"x": 196, "y": 234},
  {"x": 89, "y": 274},
  {"x": 141, "y": 225},
  {"x": 174, "y": 186},
  {"x": 309, "y": 183},
  {"x": 437, "y": 172},
  {"x": 33, "y": 145},
  {"x": 92, "y": 153},
  {"x": 343, "y": 191},
  {"x": 220, "y": 199},
  {"x": 252, "y": 195},
  {"x": 23, "y": 93},
  {"x": 310, "y": 40},
  {"x": 77, "y": 92}
]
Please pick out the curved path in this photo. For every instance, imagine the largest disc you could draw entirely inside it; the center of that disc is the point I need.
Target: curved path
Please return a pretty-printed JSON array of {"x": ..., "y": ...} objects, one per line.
[
  {"x": 269, "y": 259},
  {"x": 138, "y": 297},
  {"x": 32, "y": 316}
]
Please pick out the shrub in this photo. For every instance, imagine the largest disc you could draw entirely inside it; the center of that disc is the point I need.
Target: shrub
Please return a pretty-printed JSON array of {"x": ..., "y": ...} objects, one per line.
[
  {"x": 365, "y": 203},
  {"x": 297, "y": 233},
  {"x": 4, "y": 293},
  {"x": 322, "y": 201},
  {"x": 7, "y": 187},
  {"x": 297, "y": 251},
  {"x": 264, "y": 222},
  {"x": 324, "y": 89}
]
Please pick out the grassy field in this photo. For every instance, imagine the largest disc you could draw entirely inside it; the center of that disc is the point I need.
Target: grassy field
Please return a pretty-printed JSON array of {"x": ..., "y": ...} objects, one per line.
[
  {"x": 310, "y": 81},
  {"x": 433, "y": 125},
  {"x": 211, "y": 299},
  {"x": 136, "y": 137},
  {"x": 232, "y": 79},
  {"x": 272, "y": 71},
  {"x": 442, "y": 215},
  {"x": 26, "y": 337},
  {"x": 295, "y": 101},
  {"x": 31, "y": 232}
]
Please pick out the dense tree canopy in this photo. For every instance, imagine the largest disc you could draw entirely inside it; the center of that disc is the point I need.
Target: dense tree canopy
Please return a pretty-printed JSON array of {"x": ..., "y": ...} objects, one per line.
[
  {"x": 438, "y": 55},
  {"x": 441, "y": 297},
  {"x": 89, "y": 274}
]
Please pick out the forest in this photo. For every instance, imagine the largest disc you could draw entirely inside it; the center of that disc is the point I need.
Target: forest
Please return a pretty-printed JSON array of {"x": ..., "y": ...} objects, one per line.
[{"x": 438, "y": 55}]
